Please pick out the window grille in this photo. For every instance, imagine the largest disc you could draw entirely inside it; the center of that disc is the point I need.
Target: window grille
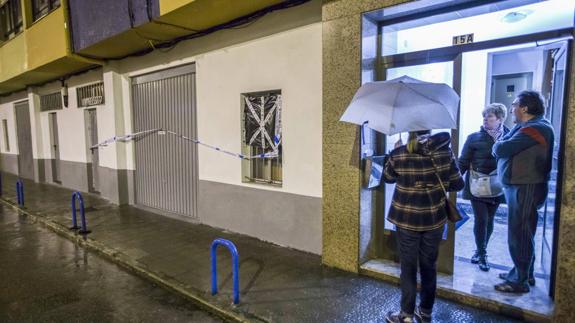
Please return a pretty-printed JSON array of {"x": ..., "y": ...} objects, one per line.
[
  {"x": 6, "y": 139},
  {"x": 10, "y": 18},
  {"x": 90, "y": 95},
  {"x": 40, "y": 8},
  {"x": 261, "y": 134},
  {"x": 51, "y": 101}
]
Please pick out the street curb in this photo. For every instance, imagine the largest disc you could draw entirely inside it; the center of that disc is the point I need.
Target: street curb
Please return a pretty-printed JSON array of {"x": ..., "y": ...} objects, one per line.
[{"x": 126, "y": 262}]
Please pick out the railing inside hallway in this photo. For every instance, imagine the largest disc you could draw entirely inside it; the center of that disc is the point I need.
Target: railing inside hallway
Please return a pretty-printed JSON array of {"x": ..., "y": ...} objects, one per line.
[
  {"x": 235, "y": 267},
  {"x": 84, "y": 228}
]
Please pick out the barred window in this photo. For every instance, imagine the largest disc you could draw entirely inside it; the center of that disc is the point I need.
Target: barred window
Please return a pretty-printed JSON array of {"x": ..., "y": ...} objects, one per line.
[
  {"x": 90, "y": 95},
  {"x": 40, "y": 8},
  {"x": 10, "y": 18},
  {"x": 261, "y": 137},
  {"x": 51, "y": 101}
]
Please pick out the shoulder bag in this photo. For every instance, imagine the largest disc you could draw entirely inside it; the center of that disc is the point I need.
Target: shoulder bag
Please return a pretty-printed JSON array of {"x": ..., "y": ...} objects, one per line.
[
  {"x": 484, "y": 185},
  {"x": 451, "y": 210}
]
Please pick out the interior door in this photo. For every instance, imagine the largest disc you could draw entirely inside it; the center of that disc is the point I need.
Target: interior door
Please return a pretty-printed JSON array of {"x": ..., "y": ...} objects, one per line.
[
  {"x": 447, "y": 72},
  {"x": 551, "y": 209}
]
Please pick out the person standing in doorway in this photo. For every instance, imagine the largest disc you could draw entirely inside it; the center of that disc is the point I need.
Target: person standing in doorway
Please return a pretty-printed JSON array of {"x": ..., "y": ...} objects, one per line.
[
  {"x": 524, "y": 159},
  {"x": 418, "y": 212},
  {"x": 476, "y": 158}
]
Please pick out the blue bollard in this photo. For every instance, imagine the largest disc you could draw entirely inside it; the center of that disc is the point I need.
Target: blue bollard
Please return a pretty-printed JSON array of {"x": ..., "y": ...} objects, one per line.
[
  {"x": 235, "y": 266},
  {"x": 20, "y": 192},
  {"x": 84, "y": 228}
]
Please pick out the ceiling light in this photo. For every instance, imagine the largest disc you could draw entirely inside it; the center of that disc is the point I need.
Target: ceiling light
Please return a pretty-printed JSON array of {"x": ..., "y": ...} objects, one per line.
[{"x": 515, "y": 16}]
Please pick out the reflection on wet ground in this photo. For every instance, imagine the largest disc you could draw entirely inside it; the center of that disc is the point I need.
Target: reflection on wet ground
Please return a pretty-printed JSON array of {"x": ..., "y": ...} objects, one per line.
[{"x": 45, "y": 277}]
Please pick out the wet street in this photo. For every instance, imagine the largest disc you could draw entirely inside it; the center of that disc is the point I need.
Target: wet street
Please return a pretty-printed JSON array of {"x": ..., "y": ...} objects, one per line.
[{"x": 44, "y": 277}]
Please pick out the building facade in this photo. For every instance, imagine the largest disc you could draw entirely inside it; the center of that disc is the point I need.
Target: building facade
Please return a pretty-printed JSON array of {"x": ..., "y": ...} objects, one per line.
[{"x": 243, "y": 78}]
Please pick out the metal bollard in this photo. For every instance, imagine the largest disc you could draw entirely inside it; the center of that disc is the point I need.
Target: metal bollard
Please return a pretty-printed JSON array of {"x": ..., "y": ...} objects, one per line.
[
  {"x": 84, "y": 228},
  {"x": 235, "y": 267},
  {"x": 20, "y": 192}
]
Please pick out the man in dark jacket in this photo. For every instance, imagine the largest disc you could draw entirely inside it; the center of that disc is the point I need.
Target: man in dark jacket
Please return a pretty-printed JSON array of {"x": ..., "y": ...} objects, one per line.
[{"x": 524, "y": 159}]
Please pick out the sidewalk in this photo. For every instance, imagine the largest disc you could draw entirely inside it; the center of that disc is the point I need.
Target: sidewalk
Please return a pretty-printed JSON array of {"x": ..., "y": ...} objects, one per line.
[{"x": 277, "y": 284}]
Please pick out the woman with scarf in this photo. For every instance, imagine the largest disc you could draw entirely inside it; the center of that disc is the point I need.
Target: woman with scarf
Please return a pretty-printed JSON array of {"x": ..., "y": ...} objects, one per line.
[
  {"x": 420, "y": 170},
  {"x": 476, "y": 157}
]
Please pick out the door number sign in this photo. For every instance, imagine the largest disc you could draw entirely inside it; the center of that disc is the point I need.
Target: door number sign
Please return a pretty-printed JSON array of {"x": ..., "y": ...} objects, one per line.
[{"x": 463, "y": 39}]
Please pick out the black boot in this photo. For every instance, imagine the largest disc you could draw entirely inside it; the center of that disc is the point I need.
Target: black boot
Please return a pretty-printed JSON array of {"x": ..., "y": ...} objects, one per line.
[
  {"x": 483, "y": 264},
  {"x": 475, "y": 258}
]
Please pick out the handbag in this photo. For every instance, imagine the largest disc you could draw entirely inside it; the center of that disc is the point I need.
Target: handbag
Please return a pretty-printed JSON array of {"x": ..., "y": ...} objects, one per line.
[
  {"x": 484, "y": 185},
  {"x": 451, "y": 210}
]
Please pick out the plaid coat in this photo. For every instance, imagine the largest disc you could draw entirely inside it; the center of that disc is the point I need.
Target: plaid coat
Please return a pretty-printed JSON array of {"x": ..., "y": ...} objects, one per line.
[{"x": 418, "y": 201}]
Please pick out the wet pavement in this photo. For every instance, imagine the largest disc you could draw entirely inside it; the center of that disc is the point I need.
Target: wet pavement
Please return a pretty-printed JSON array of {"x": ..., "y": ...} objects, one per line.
[
  {"x": 46, "y": 278},
  {"x": 277, "y": 284}
]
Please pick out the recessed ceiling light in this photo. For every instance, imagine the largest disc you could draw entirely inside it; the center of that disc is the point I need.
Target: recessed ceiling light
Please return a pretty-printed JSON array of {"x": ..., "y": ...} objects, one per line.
[{"x": 515, "y": 16}]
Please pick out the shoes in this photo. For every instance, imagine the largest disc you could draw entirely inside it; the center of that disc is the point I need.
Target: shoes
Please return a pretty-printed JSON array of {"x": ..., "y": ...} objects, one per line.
[
  {"x": 475, "y": 258},
  {"x": 422, "y": 316},
  {"x": 483, "y": 264},
  {"x": 398, "y": 318},
  {"x": 507, "y": 287},
  {"x": 531, "y": 281}
]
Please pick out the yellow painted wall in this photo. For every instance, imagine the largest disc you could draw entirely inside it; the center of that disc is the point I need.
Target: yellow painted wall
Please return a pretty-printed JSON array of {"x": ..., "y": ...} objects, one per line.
[
  {"x": 46, "y": 39},
  {"x": 42, "y": 43},
  {"x": 13, "y": 58},
  {"x": 170, "y": 5}
]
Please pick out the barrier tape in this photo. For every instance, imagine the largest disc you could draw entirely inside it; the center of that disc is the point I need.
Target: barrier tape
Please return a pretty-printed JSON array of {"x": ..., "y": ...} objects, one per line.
[{"x": 159, "y": 131}]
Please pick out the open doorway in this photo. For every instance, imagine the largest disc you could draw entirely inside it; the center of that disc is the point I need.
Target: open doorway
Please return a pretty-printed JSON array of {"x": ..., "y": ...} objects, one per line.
[{"x": 511, "y": 53}]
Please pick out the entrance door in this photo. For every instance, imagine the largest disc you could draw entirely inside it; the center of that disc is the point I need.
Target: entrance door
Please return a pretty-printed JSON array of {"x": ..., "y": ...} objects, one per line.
[
  {"x": 92, "y": 134},
  {"x": 55, "y": 147},
  {"x": 443, "y": 72},
  {"x": 550, "y": 212},
  {"x": 166, "y": 165},
  {"x": 25, "y": 157}
]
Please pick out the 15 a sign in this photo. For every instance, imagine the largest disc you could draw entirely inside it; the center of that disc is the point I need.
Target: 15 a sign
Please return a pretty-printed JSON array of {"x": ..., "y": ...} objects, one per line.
[{"x": 463, "y": 39}]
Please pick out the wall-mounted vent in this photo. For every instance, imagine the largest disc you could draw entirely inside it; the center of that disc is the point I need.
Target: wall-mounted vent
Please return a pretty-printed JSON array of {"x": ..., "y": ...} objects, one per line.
[
  {"x": 51, "y": 101},
  {"x": 90, "y": 95}
]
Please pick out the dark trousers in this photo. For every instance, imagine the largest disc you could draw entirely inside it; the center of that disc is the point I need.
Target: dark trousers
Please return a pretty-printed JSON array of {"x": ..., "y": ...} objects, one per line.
[
  {"x": 422, "y": 247},
  {"x": 484, "y": 215},
  {"x": 523, "y": 202}
]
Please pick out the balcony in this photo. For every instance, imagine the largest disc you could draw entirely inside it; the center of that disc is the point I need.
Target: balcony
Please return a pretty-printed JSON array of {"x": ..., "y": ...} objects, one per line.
[
  {"x": 138, "y": 25},
  {"x": 39, "y": 53}
]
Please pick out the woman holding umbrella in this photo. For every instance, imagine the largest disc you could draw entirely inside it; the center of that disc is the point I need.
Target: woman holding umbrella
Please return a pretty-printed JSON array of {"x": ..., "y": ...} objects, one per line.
[
  {"x": 478, "y": 164},
  {"x": 420, "y": 170}
]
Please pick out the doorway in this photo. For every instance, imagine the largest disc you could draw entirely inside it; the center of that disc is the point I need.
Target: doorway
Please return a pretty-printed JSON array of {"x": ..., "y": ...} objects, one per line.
[
  {"x": 166, "y": 175},
  {"x": 23, "y": 129},
  {"x": 54, "y": 147},
  {"x": 91, "y": 122},
  {"x": 494, "y": 69}
]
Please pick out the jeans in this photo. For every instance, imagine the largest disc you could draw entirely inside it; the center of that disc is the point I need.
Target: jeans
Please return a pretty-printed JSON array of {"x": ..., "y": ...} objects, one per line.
[
  {"x": 484, "y": 214},
  {"x": 523, "y": 201},
  {"x": 422, "y": 247}
]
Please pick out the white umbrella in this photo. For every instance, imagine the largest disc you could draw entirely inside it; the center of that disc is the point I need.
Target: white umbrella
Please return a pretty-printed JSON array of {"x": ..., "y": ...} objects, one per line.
[{"x": 403, "y": 104}]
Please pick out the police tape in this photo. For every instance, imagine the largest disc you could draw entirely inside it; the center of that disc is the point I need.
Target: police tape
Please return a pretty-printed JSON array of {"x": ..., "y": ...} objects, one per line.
[{"x": 159, "y": 131}]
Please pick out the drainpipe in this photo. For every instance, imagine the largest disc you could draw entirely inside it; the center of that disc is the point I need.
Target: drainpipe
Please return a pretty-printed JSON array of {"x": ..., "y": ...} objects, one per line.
[{"x": 69, "y": 50}]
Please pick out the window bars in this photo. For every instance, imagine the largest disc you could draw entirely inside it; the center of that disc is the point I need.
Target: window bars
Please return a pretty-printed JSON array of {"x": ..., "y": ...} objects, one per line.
[
  {"x": 90, "y": 95},
  {"x": 261, "y": 129},
  {"x": 51, "y": 101}
]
